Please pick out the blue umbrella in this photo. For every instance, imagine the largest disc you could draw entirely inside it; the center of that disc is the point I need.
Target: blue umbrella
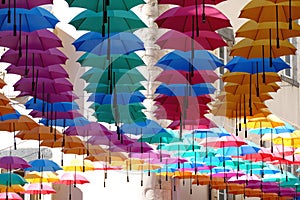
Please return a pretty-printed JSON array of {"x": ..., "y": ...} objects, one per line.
[
  {"x": 34, "y": 19},
  {"x": 40, "y": 165},
  {"x": 15, "y": 115},
  {"x": 58, "y": 106},
  {"x": 122, "y": 98},
  {"x": 79, "y": 121},
  {"x": 255, "y": 65},
  {"x": 115, "y": 43},
  {"x": 183, "y": 89},
  {"x": 147, "y": 127},
  {"x": 179, "y": 60}
]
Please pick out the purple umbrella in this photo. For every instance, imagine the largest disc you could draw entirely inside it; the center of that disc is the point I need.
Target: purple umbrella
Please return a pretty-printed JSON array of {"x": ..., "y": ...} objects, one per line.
[
  {"x": 44, "y": 85},
  {"x": 41, "y": 58},
  {"x": 52, "y": 71},
  {"x": 13, "y": 162},
  {"x": 135, "y": 147},
  {"x": 110, "y": 140},
  {"x": 71, "y": 114},
  {"x": 91, "y": 129},
  {"x": 39, "y": 40},
  {"x": 27, "y": 4},
  {"x": 67, "y": 96}
]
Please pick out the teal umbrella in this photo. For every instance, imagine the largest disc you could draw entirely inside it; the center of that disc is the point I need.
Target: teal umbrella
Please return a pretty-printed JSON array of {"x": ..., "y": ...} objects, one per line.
[
  {"x": 280, "y": 177},
  {"x": 118, "y": 61},
  {"x": 163, "y": 136},
  {"x": 105, "y": 88},
  {"x": 9, "y": 179},
  {"x": 119, "y": 20}
]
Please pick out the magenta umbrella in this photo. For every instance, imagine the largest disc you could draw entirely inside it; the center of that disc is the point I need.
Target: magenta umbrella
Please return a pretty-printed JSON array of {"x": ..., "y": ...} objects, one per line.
[
  {"x": 52, "y": 115},
  {"x": 244, "y": 179},
  {"x": 51, "y": 71},
  {"x": 39, "y": 40},
  {"x": 111, "y": 139},
  {"x": 184, "y": 19},
  {"x": 67, "y": 96},
  {"x": 44, "y": 85},
  {"x": 13, "y": 162},
  {"x": 41, "y": 58},
  {"x": 185, "y": 3},
  {"x": 207, "y": 40},
  {"x": 39, "y": 188},
  {"x": 136, "y": 147},
  {"x": 91, "y": 129},
  {"x": 27, "y": 4}
]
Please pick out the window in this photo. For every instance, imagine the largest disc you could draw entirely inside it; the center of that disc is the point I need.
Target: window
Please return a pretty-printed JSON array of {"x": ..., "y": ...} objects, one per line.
[
  {"x": 291, "y": 60},
  {"x": 224, "y": 196}
]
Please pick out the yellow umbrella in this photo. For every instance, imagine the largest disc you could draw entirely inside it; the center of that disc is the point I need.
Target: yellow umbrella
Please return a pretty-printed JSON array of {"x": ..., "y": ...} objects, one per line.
[
  {"x": 291, "y": 140},
  {"x": 246, "y": 89},
  {"x": 257, "y": 31},
  {"x": 249, "y": 48},
  {"x": 41, "y": 177},
  {"x": 79, "y": 165}
]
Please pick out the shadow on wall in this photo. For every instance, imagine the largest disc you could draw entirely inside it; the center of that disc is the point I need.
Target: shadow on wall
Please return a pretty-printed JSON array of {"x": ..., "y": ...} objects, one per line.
[{"x": 62, "y": 192}]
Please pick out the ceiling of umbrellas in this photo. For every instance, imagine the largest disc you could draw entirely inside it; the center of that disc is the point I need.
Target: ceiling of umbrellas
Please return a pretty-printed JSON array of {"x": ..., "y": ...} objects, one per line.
[{"x": 192, "y": 146}]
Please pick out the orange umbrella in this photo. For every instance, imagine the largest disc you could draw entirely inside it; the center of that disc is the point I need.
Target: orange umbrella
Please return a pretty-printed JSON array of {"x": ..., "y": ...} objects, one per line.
[
  {"x": 243, "y": 78},
  {"x": 2, "y": 83},
  {"x": 4, "y": 100},
  {"x": 12, "y": 125},
  {"x": 88, "y": 149},
  {"x": 246, "y": 89},
  {"x": 6, "y": 109},
  {"x": 224, "y": 96}
]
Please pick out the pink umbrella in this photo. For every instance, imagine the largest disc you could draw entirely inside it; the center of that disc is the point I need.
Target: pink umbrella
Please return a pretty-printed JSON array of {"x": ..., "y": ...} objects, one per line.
[
  {"x": 10, "y": 196},
  {"x": 13, "y": 162},
  {"x": 91, "y": 129},
  {"x": 202, "y": 123},
  {"x": 39, "y": 188},
  {"x": 207, "y": 40},
  {"x": 69, "y": 178},
  {"x": 225, "y": 141}
]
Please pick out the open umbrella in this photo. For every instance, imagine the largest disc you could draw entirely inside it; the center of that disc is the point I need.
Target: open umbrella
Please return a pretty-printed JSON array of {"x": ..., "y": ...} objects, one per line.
[
  {"x": 39, "y": 188},
  {"x": 10, "y": 196},
  {"x": 68, "y": 96},
  {"x": 183, "y": 89},
  {"x": 91, "y": 129},
  {"x": 41, "y": 165},
  {"x": 41, "y": 177},
  {"x": 13, "y": 162},
  {"x": 8, "y": 179}
]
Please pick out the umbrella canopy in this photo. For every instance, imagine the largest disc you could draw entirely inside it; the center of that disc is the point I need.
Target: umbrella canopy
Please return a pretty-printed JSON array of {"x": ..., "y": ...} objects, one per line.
[
  {"x": 39, "y": 133},
  {"x": 40, "y": 105},
  {"x": 41, "y": 177},
  {"x": 243, "y": 78},
  {"x": 148, "y": 127},
  {"x": 91, "y": 129},
  {"x": 79, "y": 165},
  {"x": 70, "y": 178},
  {"x": 98, "y": 5},
  {"x": 119, "y": 21},
  {"x": 68, "y": 96},
  {"x": 11, "y": 179},
  {"x": 23, "y": 123},
  {"x": 26, "y": 4},
  {"x": 66, "y": 142},
  {"x": 12, "y": 188},
  {"x": 183, "y": 18},
  {"x": 41, "y": 165},
  {"x": 207, "y": 40},
  {"x": 115, "y": 43},
  {"x": 39, "y": 188},
  {"x": 10, "y": 196},
  {"x": 183, "y": 89},
  {"x": 121, "y": 97},
  {"x": 13, "y": 162},
  {"x": 179, "y": 60},
  {"x": 242, "y": 89}
]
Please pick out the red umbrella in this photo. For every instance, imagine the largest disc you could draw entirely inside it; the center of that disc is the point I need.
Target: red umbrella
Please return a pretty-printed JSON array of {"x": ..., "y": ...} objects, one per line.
[
  {"x": 180, "y": 77},
  {"x": 39, "y": 188},
  {"x": 202, "y": 99},
  {"x": 183, "y": 19},
  {"x": 207, "y": 40}
]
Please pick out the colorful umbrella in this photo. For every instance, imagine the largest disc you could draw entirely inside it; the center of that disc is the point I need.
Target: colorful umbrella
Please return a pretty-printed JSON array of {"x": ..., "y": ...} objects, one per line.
[
  {"x": 41, "y": 165},
  {"x": 41, "y": 177},
  {"x": 39, "y": 188},
  {"x": 9, "y": 179},
  {"x": 13, "y": 162},
  {"x": 10, "y": 196}
]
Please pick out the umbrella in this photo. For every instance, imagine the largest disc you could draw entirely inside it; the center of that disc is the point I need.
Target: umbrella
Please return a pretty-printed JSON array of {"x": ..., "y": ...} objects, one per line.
[
  {"x": 165, "y": 99},
  {"x": 25, "y": 4},
  {"x": 79, "y": 121},
  {"x": 13, "y": 162},
  {"x": 183, "y": 18},
  {"x": 41, "y": 58},
  {"x": 183, "y": 89},
  {"x": 243, "y": 78},
  {"x": 98, "y": 5},
  {"x": 66, "y": 142},
  {"x": 40, "y": 18},
  {"x": 3, "y": 99},
  {"x": 41, "y": 165},
  {"x": 179, "y": 60},
  {"x": 79, "y": 165},
  {"x": 242, "y": 89},
  {"x": 39, "y": 188},
  {"x": 11, "y": 179},
  {"x": 185, "y": 3},
  {"x": 42, "y": 39},
  {"x": 122, "y": 98},
  {"x": 253, "y": 30},
  {"x": 180, "y": 77},
  {"x": 70, "y": 114},
  {"x": 52, "y": 71},
  {"x": 208, "y": 40},
  {"x": 91, "y": 129},
  {"x": 201, "y": 123},
  {"x": 41, "y": 177},
  {"x": 6, "y": 109},
  {"x": 10, "y": 196},
  {"x": 41, "y": 105},
  {"x": 69, "y": 178},
  {"x": 119, "y": 21},
  {"x": 68, "y": 96},
  {"x": 115, "y": 43},
  {"x": 129, "y": 61},
  {"x": 12, "y": 188},
  {"x": 249, "y": 48},
  {"x": 148, "y": 127},
  {"x": 105, "y": 88}
]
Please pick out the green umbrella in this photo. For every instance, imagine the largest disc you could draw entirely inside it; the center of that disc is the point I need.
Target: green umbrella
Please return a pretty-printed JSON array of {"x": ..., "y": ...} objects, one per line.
[
  {"x": 119, "y": 20},
  {"x": 11, "y": 179},
  {"x": 129, "y": 61},
  {"x": 105, "y": 88},
  {"x": 97, "y": 5},
  {"x": 96, "y": 75}
]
